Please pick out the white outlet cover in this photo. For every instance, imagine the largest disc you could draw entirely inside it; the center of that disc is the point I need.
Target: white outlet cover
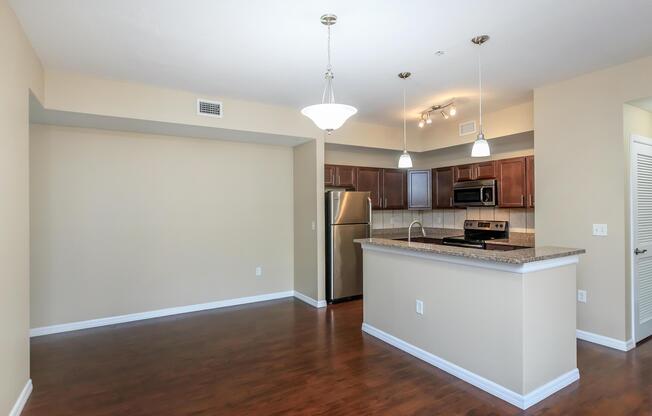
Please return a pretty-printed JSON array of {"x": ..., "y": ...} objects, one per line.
[
  {"x": 259, "y": 271},
  {"x": 600, "y": 229},
  {"x": 581, "y": 296},
  {"x": 419, "y": 307}
]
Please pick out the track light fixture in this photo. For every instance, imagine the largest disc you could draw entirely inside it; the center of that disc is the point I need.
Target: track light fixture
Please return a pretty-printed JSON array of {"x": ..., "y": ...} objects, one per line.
[{"x": 446, "y": 110}]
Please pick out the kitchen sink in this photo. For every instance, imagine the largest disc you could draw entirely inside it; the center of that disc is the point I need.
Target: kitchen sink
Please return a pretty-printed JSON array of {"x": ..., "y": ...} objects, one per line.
[{"x": 428, "y": 240}]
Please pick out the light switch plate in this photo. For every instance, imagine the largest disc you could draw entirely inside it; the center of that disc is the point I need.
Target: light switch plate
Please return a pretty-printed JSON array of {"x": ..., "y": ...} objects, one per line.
[
  {"x": 581, "y": 296},
  {"x": 600, "y": 229},
  {"x": 419, "y": 307}
]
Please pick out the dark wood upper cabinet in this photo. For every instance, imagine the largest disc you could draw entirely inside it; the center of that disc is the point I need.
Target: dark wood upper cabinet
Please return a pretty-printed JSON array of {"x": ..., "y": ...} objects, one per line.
[
  {"x": 419, "y": 188},
  {"x": 512, "y": 182},
  {"x": 442, "y": 187},
  {"x": 485, "y": 170},
  {"x": 346, "y": 176},
  {"x": 329, "y": 175},
  {"x": 529, "y": 173},
  {"x": 464, "y": 173},
  {"x": 371, "y": 180},
  {"x": 394, "y": 189}
]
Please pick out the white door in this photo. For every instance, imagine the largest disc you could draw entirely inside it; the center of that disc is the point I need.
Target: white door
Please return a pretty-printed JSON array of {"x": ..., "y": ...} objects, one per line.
[{"x": 641, "y": 183}]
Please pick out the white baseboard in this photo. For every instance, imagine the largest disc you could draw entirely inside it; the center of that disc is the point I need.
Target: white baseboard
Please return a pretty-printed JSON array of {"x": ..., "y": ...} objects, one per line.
[
  {"x": 111, "y": 320},
  {"x": 606, "y": 341},
  {"x": 22, "y": 399},
  {"x": 310, "y": 301},
  {"x": 519, "y": 400}
]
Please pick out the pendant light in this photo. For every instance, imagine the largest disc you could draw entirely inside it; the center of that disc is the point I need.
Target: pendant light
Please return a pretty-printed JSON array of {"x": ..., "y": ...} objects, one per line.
[
  {"x": 405, "y": 161},
  {"x": 480, "y": 145},
  {"x": 328, "y": 115}
]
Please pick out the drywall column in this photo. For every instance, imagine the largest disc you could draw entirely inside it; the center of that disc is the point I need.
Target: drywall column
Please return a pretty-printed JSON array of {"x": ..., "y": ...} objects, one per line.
[
  {"x": 581, "y": 176},
  {"x": 20, "y": 71}
]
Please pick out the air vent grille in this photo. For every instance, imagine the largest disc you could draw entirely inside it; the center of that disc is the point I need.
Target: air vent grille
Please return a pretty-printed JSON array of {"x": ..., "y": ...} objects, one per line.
[
  {"x": 209, "y": 108},
  {"x": 467, "y": 127}
]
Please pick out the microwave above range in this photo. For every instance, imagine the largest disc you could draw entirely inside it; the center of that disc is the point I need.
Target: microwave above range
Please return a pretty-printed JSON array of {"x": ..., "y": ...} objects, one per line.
[{"x": 480, "y": 193}]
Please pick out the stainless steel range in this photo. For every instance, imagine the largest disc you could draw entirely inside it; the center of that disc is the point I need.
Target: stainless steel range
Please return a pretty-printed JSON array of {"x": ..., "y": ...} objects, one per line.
[{"x": 478, "y": 232}]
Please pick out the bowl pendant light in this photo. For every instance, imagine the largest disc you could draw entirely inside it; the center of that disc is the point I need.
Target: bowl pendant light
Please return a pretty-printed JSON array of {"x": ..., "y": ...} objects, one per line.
[
  {"x": 480, "y": 145},
  {"x": 328, "y": 115},
  {"x": 405, "y": 161}
]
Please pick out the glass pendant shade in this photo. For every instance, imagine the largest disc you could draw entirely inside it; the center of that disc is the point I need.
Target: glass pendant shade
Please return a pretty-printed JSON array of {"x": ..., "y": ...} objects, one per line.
[
  {"x": 329, "y": 116},
  {"x": 405, "y": 161},
  {"x": 480, "y": 147}
]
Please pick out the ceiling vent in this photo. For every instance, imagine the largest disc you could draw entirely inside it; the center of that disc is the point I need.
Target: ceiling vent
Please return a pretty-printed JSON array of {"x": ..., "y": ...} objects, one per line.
[
  {"x": 209, "y": 108},
  {"x": 468, "y": 127}
]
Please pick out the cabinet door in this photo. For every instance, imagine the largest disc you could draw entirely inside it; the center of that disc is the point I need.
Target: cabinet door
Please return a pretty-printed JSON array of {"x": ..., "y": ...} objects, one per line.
[
  {"x": 511, "y": 182},
  {"x": 464, "y": 173},
  {"x": 485, "y": 170},
  {"x": 419, "y": 189},
  {"x": 370, "y": 180},
  {"x": 442, "y": 182},
  {"x": 394, "y": 189},
  {"x": 329, "y": 175},
  {"x": 529, "y": 174},
  {"x": 345, "y": 176}
]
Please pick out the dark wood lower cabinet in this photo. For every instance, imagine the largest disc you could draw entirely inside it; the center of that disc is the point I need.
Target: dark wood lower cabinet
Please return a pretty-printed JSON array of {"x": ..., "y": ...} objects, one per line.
[
  {"x": 394, "y": 189},
  {"x": 370, "y": 180}
]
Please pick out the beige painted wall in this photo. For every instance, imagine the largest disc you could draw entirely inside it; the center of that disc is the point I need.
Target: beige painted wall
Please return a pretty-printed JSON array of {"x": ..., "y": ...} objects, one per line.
[
  {"x": 505, "y": 122},
  {"x": 85, "y": 94},
  {"x": 305, "y": 214},
  {"x": 125, "y": 223},
  {"x": 581, "y": 170},
  {"x": 360, "y": 156},
  {"x": 20, "y": 71}
]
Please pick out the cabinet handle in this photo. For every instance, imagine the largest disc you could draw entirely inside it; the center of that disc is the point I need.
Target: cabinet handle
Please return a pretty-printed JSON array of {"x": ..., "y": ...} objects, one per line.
[
  {"x": 385, "y": 202},
  {"x": 529, "y": 200},
  {"x": 451, "y": 201},
  {"x": 522, "y": 199},
  {"x": 339, "y": 180}
]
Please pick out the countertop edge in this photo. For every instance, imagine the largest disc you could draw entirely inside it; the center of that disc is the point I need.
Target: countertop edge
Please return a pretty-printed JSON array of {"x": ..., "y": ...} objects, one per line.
[{"x": 521, "y": 257}]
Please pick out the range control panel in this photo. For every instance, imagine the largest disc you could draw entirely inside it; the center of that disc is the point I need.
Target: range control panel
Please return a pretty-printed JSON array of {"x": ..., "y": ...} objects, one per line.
[{"x": 486, "y": 225}]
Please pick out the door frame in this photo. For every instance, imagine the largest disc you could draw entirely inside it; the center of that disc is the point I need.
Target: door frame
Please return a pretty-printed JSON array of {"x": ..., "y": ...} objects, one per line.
[{"x": 635, "y": 138}]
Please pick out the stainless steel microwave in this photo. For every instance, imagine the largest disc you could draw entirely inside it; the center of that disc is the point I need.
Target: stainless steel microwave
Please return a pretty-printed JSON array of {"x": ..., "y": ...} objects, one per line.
[{"x": 475, "y": 193}]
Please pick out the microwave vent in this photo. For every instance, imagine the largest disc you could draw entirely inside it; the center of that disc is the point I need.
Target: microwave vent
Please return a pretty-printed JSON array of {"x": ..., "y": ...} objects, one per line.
[{"x": 209, "y": 108}]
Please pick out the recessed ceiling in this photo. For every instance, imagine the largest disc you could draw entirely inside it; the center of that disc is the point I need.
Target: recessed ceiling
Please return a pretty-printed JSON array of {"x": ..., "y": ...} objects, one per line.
[{"x": 275, "y": 52}]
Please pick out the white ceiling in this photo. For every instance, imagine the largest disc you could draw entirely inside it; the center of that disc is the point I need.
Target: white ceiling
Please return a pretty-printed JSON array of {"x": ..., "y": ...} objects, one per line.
[{"x": 275, "y": 51}]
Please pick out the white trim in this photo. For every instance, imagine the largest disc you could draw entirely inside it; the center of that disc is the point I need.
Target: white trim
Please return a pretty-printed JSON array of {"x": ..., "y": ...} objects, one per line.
[
  {"x": 606, "y": 341},
  {"x": 111, "y": 320},
  {"x": 485, "y": 264},
  {"x": 310, "y": 301},
  {"x": 22, "y": 399},
  {"x": 516, "y": 399}
]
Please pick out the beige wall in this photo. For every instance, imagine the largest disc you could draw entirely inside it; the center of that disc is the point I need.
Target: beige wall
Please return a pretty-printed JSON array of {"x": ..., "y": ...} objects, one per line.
[
  {"x": 360, "y": 156},
  {"x": 125, "y": 223},
  {"x": 505, "y": 122},
  {"x": 20, "y": 71},
  {"x": 581, "y": 170},
  {"x": 305, "y": 215}
]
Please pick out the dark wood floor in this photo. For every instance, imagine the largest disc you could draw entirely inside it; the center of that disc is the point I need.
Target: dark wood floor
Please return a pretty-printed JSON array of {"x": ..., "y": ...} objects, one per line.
[{"x": 286, "y": 358}]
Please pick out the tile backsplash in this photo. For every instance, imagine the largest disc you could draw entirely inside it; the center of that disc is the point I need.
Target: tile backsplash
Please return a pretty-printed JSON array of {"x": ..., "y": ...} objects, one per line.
[{"x": 520, "y": 219}]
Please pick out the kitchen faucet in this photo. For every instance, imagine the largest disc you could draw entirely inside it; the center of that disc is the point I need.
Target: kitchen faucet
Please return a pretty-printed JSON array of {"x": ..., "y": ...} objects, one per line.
[{"x": 423, "y": 232}]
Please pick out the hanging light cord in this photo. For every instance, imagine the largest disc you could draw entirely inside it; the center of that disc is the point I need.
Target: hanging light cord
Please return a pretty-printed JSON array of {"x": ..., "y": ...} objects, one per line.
[
  {"x": 404, "y": 123},
  {"x": 480, "y": 81},
  {"x": 329, "y": 96}
]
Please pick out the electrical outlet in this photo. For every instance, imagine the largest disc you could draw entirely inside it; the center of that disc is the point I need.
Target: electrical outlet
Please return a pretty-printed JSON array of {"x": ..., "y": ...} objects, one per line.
[
  {"x": 581, "y": 296},
  {"x": 313, "y": 226},
  {"x": 259, "y": 271},
  {"x": 419, "y": 307},
  {"x": 600, "y": 229}
]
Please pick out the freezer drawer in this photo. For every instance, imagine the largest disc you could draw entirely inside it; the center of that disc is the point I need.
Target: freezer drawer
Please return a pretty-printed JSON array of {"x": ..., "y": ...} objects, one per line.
[{"x": 344, "y": 277}]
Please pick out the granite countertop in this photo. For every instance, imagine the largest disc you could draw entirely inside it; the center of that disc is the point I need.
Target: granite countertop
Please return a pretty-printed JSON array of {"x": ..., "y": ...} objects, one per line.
[
  {"x": 515, "y": 239},
  {"x": 528, "y": 254}
]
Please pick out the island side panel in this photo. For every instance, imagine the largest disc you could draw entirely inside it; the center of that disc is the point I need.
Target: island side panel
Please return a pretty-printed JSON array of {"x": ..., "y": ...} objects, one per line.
[
  {"x": 549, "y": 325},
  {"x": 472, "y": 316}
]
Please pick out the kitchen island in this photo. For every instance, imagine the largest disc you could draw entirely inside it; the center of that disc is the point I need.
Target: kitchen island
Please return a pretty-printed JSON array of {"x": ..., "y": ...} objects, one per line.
[{"x": 503, "y": 321}]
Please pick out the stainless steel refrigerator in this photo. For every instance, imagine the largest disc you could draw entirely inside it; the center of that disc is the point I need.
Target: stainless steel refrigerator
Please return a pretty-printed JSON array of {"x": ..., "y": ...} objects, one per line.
[{"x": 348, "y": 216}]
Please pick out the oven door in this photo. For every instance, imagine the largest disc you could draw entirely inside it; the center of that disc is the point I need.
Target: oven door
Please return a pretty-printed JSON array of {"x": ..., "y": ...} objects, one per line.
[{"x": 477, "y": 196}]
